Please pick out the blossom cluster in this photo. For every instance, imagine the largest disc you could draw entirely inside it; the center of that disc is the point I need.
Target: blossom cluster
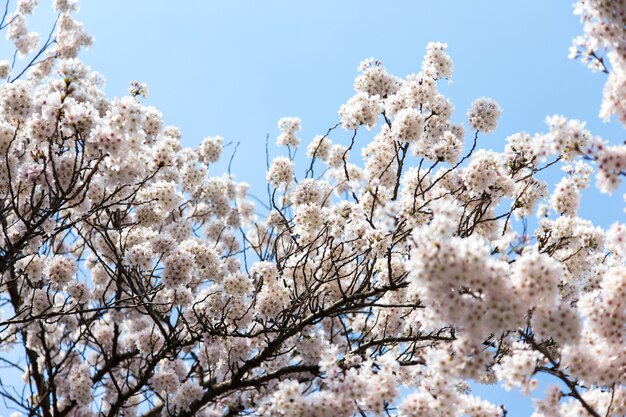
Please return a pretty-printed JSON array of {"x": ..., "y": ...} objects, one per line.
[{"x": 409, "y": 264}]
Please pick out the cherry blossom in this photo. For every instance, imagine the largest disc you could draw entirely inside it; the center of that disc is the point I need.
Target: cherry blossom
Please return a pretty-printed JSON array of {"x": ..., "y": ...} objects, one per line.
[{"x": 385, "y": 277}]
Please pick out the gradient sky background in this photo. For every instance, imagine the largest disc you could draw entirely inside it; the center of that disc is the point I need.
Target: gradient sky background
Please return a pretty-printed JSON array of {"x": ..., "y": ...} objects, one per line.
[{"x": 235, "y": 67}]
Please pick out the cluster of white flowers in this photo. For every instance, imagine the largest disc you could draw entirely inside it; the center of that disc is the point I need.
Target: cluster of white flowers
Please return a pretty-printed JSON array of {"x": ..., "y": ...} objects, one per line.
[
  {"x": 25, "y": 42},
  {"x": 417, "y": 89},
  {"x": 288, "y": 126},
  {"x": 598, "y": 357},
  {"x": 161, "y": 197},
  {"x": 438, "y": 396},
  {"x": 138, "y": 89},
  {"x": 16, "y": 101},
  {"x": 560, "y": 324},
  {"x": 361, "y": 109},
  {"x": 136, "y": 281},
  {"x": 447, "y": 149},
  {"x": 71, "y": 36},
  {"x": 604, "y": 34},
  {"x": 603, "y": 24},
  {"x": 60, "y": 270},
  {"x": 483, "y": 114},
  {"x": 486, "y": 174},
  {"x": 436, "y": 61},
  {"x": 310, "y": 191},
  {"x": 519, "y": 368},
  {"x": 536, "y": 278},
  {"x": 408, "y": 125},
  {"x": 616, "y": 239},
  {"x": 80, "y": 387},
  {"x": 567, "y": 137},
  {"x": 565, "y": 197},
  {"x": 464, "y": 286},
  {"x": 346, "y": 391},
  {"x": 319, "y": 147},
  {"x": 379, "y": 156},
  {"x": 210, "y": 149},
  {"x": 178, "y": 269},
  {"x": 40, "y": 302},
  {"x": 611, "y": 161},
  {"x": 281, "y": 171},
  {"x": 186, "y": 394},
  {"x": 374, "y": 80},
  {"x": 5, "y": 68}
]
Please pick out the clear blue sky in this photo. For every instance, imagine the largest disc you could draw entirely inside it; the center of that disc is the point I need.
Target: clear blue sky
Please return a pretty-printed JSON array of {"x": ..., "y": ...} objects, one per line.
[{"x": 235, "y": 67}]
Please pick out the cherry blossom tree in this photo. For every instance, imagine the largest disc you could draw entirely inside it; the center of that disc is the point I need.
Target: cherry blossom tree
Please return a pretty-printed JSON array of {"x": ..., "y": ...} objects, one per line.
[{"x": 132, "y": 283}]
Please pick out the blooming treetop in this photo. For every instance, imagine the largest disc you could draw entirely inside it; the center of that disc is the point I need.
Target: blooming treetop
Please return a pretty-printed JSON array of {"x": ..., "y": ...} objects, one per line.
[{"x": 133, "y": 283}]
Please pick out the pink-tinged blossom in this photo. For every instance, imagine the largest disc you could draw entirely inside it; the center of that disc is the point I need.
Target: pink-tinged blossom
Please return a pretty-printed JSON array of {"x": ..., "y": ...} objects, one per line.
[
  {"x": 289, "y": 126},
  {"x": 408, "y": 126},
  {"x": 483, "y": 114},
  {"x": 360, "y": 110},
  {"x": 398, "y": 267},
  {"x": 281, "y": 172},
  {"x": 437, "y": 62}
]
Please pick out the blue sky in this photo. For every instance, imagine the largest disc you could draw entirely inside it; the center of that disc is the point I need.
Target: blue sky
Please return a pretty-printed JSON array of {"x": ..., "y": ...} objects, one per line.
[{"x": 235, "y": 67}]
